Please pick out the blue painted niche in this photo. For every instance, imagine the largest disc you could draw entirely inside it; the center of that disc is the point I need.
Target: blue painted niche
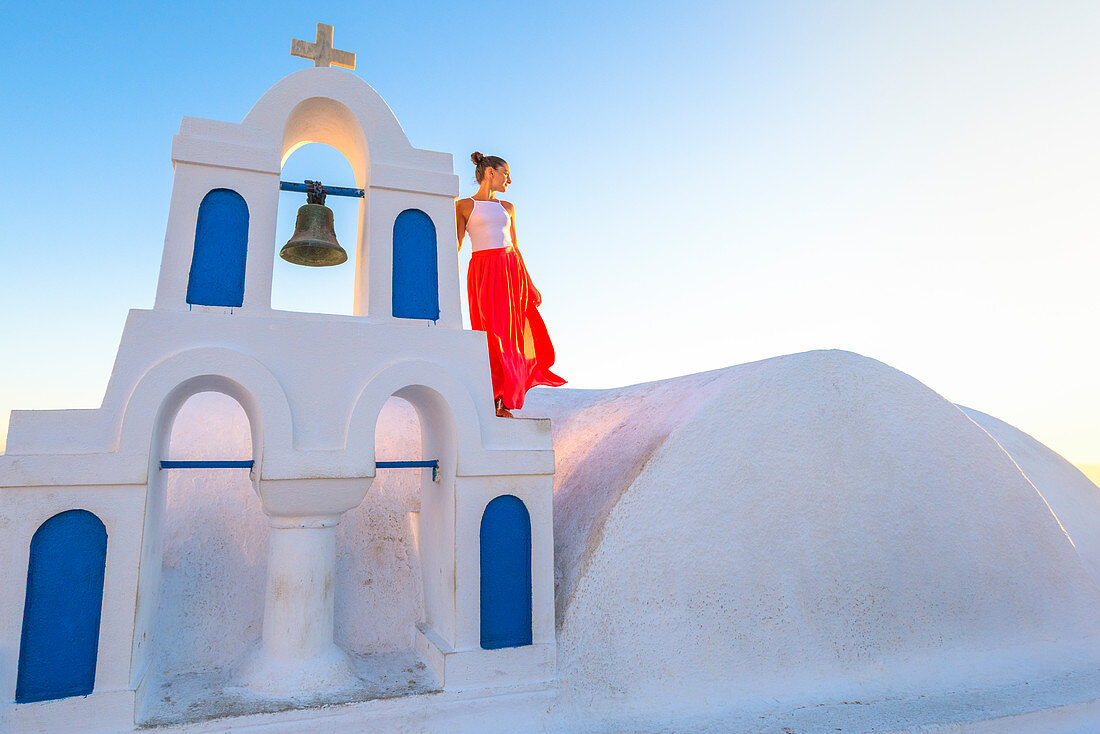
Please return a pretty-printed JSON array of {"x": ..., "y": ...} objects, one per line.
[
  {"x": 505, "y": 574},
  {"x": 221, "y": 246},
  {"x": 57, "y": 650},
  {"x": 415, "y": 268}
]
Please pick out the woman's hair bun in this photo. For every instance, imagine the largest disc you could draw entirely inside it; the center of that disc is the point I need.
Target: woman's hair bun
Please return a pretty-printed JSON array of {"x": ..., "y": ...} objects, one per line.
[{"x": 483, "y": 162}]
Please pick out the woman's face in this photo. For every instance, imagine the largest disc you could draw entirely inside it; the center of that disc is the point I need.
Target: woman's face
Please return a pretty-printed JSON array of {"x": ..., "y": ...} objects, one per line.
[{"x": 499, "y": 178}]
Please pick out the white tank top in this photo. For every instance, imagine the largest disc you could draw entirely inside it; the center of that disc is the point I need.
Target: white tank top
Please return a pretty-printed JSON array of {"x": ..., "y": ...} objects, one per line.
[{"x": 489, "y": 226}]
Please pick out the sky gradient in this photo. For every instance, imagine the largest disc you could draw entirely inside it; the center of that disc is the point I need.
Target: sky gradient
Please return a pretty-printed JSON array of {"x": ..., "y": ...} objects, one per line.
[{"x": 697, "y": 184}]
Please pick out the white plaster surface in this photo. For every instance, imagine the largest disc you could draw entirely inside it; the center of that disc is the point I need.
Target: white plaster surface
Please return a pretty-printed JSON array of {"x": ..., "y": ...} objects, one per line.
[
  {"x": 1072, "y": 496},
  {"x": 810, "y": 542},
  {"x": 811, "y": 528},
  {"x": 213, "y": 695}
]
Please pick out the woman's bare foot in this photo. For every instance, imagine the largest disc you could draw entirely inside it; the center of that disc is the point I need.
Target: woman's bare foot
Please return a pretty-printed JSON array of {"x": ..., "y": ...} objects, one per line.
[{"x": 502, "y": 412}]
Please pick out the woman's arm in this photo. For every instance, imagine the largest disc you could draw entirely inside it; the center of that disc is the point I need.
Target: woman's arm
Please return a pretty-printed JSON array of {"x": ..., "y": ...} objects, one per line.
[
  {"x": 462, "y": 216},
  {"x": 512, "y": 216},
  {"x": 534, "y": 291}
]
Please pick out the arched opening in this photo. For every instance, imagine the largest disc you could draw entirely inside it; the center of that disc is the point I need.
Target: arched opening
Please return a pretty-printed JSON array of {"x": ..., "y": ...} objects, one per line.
[
  {"x": 60, "y": 636},
  {"x": 505, "y": 574},
  {"x": 317, "y": 289},
  {"x": 383, "y": 416},
  {"x": 206, "y": 548},
  {"x": 378, "y": 587},
  {"x": 221, "y": 247}
]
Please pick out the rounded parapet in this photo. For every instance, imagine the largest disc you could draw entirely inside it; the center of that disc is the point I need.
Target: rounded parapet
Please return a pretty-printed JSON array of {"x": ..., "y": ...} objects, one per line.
[{"x": 337, "y": 108}]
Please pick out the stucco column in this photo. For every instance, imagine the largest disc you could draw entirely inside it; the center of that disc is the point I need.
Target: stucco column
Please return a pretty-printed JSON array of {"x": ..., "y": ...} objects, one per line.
[
  {"x": 298, "y": 604},
  {"x": 297, "y": 654}
]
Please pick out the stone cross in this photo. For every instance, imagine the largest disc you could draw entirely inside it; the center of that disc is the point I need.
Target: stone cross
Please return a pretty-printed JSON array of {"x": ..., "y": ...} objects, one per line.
[{"x": 322, "y": 52}]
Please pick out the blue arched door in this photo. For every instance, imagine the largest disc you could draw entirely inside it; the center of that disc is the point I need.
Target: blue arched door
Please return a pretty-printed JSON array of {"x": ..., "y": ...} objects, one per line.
[
  {"x": 505, "y": 574},
  {"x": 57, "y": 650},
  {"x": 221, "y": 248},
  {"x": 415, "y": 268}
]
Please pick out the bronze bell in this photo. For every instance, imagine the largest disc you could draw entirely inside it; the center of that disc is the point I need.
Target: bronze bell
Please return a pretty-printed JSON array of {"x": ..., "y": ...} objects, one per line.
[{"x": 314, "y": 240}]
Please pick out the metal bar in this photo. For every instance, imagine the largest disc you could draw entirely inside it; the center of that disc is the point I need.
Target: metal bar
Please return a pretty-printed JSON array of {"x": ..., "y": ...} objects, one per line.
[
  {"x": 207, "y": 464},
  {"x": 433, "y": 465},
  {"x": 329, "y": 190}
]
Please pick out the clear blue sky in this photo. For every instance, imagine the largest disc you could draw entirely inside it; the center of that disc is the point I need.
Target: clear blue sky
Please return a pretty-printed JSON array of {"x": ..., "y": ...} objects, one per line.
[{"x": 697, "y": 184}]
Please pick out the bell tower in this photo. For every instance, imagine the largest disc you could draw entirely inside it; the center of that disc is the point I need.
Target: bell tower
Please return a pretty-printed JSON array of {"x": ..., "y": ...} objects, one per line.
[
  {"x": 227, "y": 180},
  {"x": 484, "y": 531}
]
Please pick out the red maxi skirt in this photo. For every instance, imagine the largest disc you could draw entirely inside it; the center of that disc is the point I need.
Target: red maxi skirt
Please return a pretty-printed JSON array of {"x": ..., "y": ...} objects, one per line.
[{"x": 504, "y": 304}]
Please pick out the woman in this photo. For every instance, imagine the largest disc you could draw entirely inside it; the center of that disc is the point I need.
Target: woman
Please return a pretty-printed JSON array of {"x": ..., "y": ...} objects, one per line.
[{"x": 503, "y": 301}]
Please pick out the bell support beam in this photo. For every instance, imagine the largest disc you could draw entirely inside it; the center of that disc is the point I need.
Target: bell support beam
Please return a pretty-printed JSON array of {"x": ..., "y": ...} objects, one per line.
[{"x": 302, "y": 188}]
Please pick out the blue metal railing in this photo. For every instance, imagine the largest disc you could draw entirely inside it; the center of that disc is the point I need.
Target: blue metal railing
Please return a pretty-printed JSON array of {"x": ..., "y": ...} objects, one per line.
[
  {"x": 432, "y": 464},
  {"x": 167, "y": 464},
  {"x": 329, "y": 190},
  {"x": 207, "y": 464}
]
